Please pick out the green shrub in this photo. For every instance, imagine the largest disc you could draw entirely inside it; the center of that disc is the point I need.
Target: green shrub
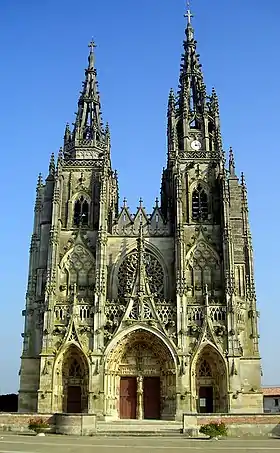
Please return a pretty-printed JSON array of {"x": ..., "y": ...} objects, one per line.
[
  {"x": 214, "y": 430},
  {"x": 38, "y": 424}
]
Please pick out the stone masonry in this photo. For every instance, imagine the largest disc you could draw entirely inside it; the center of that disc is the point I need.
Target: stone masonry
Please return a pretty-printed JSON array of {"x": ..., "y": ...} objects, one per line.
[{"x": 142, "y": 315}]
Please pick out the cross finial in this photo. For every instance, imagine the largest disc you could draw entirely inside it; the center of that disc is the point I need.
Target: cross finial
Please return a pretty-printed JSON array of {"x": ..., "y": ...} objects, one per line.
[
  {"x": 92, "y": 45},
  {"x": 188, "y": 13}
]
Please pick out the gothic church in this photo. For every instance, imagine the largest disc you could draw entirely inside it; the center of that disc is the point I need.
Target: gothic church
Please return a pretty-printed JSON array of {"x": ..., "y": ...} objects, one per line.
[{"x": 142, "y": 316}]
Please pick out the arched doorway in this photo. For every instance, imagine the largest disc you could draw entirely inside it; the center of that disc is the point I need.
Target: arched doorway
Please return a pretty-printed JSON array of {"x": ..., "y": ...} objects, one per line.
[
  {"x": 210, "y": 382},
  {"x": 140, "y": 378},
  {"x": 75, "y": 376}
]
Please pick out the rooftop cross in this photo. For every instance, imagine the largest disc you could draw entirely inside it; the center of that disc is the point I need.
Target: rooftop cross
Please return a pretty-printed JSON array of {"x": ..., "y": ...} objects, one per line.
[
  {"x": 188, "y": 13},
  {"x": 92, "y": 45}
]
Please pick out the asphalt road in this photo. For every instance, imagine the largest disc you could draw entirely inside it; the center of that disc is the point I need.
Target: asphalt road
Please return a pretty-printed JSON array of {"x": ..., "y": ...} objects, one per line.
[{"x": 60, "y": 444}]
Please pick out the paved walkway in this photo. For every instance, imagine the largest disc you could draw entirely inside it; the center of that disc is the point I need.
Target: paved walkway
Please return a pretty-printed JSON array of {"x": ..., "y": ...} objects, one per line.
[{"x": 60, "y": 444}]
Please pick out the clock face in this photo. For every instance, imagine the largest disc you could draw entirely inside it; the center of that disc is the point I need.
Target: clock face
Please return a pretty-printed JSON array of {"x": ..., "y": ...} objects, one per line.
[{"x": 196, "y": 145}]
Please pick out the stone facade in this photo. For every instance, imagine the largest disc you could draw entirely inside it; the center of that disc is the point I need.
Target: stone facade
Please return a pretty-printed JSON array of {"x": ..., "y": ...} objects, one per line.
[{"x": 142, "y": 315}]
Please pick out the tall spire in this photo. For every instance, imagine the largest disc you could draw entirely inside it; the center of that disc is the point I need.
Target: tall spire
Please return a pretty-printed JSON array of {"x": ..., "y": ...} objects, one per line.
[
  {"x": 192, "y": 88},
  {"x": 197, "y": 125},
  {"x": 88, "y": 128}
]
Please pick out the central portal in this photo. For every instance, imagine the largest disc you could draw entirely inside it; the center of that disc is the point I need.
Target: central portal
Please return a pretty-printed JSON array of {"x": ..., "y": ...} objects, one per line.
[
  {"x": 128, "y": 397},
  {"x": 140, "y": 380},
  {"x": 132, "y": 405}
]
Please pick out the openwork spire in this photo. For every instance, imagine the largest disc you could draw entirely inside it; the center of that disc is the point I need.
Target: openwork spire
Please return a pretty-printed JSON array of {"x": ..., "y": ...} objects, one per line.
[
  {"x": 193, "y": 118},
  {"x": 192, "y": 91},
  {"x": 88, "y": 128}
]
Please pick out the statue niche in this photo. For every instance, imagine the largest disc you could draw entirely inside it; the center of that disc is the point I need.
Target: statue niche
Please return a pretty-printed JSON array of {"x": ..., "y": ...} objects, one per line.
[{"x": 77, "y": 267}]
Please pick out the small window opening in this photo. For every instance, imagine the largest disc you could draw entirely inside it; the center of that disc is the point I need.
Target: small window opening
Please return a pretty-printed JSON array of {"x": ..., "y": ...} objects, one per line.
[
  {"x": 199, "y": 204},
  {"x": 81, "y": 212},
  {"x": 276, "y": 402}
]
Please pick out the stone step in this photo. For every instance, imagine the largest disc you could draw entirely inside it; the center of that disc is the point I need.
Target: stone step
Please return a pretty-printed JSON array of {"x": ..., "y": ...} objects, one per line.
[
  {"x": 170, "y": 433},
  {"x": 139, "y": 427}
]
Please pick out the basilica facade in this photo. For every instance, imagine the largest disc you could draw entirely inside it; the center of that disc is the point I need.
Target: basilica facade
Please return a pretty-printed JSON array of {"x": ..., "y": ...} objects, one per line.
[{"x": 142, "y": 315}]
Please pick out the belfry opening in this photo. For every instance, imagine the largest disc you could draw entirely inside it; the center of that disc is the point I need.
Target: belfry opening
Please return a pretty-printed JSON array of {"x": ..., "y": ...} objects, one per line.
[{"x": 140, "y": 378}]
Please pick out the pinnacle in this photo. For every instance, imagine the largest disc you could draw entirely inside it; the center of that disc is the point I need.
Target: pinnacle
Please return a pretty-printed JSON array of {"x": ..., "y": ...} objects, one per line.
[
  {"x": 171, "y": 94},
  {"x": 52, "y": 165},
  {"x": 171, "y": 99},
  {"x": 243, "y": 182},
  {"x": 39, "y": 181},
  {"x": 231, "y": 162}
]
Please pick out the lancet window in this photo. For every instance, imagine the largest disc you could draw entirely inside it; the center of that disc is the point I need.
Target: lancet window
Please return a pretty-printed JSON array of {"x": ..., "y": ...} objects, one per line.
[
  {"x": 81, "y": 212},
  {"x": 199, "y": 204}
]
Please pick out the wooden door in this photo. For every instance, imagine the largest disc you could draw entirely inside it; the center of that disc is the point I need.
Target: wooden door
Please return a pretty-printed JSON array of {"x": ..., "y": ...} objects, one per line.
[
  {"x": 74, "y": 400},
  {"x": 205, "y": 401},
  {"x": 152, "y": 398},
  {"x": 128, "y": 397}
]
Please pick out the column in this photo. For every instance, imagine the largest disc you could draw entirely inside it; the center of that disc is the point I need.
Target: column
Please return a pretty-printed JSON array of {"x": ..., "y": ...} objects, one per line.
[{"x": 140, "y": 401}]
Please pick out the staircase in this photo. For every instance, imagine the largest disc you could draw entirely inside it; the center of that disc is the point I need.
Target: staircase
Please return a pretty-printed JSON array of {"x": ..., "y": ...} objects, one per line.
[{"x": 139, "y": 428}]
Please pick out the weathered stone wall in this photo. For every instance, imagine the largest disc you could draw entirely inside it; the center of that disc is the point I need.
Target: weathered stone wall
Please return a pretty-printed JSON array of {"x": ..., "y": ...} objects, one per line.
[
  {"x": 238, "y": 424},
  {"x": 76, "y": 424},
  {"x": 16, "y": 422},
  {"x": 71, "y": 424}
]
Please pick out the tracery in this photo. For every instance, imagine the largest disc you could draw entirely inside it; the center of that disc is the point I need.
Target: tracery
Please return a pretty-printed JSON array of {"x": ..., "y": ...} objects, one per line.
[{"x": 154, "y": 274}]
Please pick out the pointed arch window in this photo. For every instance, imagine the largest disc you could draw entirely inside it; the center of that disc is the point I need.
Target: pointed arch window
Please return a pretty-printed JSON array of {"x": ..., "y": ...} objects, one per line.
[
  {"x": 205, "y": 369},
  {"x": 81, "y": 212},
  {"x": 199, "y": 204},
  {"x": 75, "y": 369}
]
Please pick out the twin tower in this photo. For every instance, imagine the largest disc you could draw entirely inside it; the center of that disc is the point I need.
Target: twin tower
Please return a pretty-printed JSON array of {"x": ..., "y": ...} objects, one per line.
[{"x": 142, "y": 316}]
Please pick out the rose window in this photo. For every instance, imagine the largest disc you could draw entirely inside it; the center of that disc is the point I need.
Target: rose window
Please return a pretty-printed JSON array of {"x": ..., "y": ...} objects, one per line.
[{"x": 154, "y": 275}]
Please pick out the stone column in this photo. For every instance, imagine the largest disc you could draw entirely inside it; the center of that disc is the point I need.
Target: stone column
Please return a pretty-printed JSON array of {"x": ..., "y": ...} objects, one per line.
[{"x": 140, "y": 401}]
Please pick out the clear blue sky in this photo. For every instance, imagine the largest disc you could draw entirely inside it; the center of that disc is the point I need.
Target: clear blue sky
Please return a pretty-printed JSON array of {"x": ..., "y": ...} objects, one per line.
[{"x": 43, "y": 48}]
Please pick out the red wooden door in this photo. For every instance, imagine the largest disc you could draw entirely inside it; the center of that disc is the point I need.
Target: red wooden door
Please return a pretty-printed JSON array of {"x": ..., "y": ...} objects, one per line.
[
  {"x": 128, "y": 397},
  {"x": 152, "y": 398},
  {"x": 74, "y": 400}
]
